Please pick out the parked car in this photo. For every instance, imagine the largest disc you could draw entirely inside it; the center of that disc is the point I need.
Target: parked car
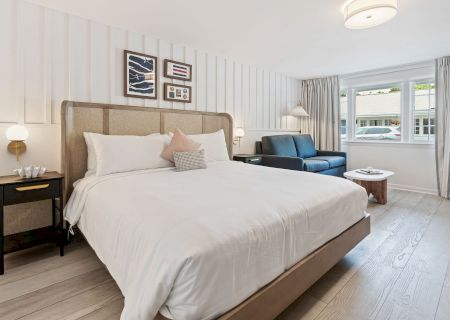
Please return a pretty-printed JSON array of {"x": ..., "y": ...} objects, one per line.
[{"x": 378, "y": 133}]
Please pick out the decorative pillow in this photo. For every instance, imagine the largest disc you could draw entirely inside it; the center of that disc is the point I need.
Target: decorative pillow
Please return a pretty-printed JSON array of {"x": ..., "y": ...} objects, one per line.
[
  {"x": 189, "y": 160},
  {"x": 180, "y": 143},
  {"x": 128, "y": 153},
  {"x": 214, "y": 145}
]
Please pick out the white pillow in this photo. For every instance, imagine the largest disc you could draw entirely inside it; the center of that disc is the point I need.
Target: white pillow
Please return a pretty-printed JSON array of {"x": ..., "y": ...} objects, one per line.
[
  {"x": 92, "y": 161},
  {"x": 128, "y": 153},
  {"x": 214, "y": 145}
]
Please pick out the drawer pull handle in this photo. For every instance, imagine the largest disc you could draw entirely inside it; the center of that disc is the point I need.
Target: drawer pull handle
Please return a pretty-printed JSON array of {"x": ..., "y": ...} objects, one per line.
[{"x": 36, "y": 187}]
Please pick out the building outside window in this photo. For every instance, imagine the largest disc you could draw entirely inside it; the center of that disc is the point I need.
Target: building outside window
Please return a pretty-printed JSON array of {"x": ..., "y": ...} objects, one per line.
[
  {"x": 344, "y": 110},
  {"x": 424, "y": 110},
  {"x": 380, "y": 107}
]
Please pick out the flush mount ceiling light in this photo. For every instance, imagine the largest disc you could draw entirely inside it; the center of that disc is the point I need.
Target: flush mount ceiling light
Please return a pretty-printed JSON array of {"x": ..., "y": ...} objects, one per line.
[{"x": 363, "y": 14}]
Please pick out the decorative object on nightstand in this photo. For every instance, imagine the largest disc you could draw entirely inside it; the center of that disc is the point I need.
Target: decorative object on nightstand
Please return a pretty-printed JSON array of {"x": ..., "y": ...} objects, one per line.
[
  {"x": 239, "y": 133},
  {"x": 15, "y": 190},
  {"x": 299, "y": 112},
  {"x": 17, "y": 134},
  {"x": 373, "y": 180},
  {"x": 248, "y": 158}
]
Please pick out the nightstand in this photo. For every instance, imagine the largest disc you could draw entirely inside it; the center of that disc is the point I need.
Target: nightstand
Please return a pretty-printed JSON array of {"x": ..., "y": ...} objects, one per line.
[
  {"x": 248, "y": 158},
  {"x": 15, "y": 190}
]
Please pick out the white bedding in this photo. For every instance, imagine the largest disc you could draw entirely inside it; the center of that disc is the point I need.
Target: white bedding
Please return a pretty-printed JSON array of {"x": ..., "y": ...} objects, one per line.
[{"x": 194, "y": 244}]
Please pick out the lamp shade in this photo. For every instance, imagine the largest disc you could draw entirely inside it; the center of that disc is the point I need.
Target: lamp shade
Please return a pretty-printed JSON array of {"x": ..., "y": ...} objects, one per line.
[
  {"x": 17, "y": 133},
  {"x": 362, "y": 14},
  {"x": 299, "y": 111},
  {"x": 239, "y": 132}
]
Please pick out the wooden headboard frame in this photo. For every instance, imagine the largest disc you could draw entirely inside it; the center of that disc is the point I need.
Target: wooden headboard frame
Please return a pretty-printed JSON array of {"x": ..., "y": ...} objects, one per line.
[{"x": 79, "y": 117}]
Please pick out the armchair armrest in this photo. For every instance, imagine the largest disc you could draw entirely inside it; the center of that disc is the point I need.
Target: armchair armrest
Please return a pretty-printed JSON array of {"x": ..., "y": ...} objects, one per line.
[
  {"x": 281, "y": 162},
  {"x": 331, "y": 153}
]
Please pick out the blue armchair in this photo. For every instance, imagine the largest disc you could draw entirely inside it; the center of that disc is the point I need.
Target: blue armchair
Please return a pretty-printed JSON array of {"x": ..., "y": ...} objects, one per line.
[{"x": 297, "y": 152}]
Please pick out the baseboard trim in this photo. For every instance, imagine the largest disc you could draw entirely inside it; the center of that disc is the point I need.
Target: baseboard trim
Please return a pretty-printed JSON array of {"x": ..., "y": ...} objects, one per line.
[{"x": 412, "y": 188}]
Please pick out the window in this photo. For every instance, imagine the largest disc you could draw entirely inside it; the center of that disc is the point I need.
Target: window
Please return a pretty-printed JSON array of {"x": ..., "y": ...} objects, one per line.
[
  {"x": 380, "y": 108},
  {"x": 417, "y": 126},
  {"x": 424, "y": 110},
  {"x": 344, "y": 109}
]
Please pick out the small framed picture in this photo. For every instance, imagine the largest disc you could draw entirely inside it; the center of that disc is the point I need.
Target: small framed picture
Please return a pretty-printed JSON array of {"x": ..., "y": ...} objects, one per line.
[
  {"x": 177, "y": 70},
  {"x": 140, "y": 75},
  {"x": 177, "y": 92}
]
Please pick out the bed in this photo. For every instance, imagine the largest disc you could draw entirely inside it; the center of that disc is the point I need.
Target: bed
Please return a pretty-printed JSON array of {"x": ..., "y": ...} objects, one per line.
[{"x": 234, "y": 241}]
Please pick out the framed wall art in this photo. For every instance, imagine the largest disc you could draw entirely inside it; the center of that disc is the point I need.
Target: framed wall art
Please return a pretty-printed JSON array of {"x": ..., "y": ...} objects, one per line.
[
  {"x": 141, "y": 77},
  {"x": 177, "y": 70},
  {"x": 177, "y": 92}
]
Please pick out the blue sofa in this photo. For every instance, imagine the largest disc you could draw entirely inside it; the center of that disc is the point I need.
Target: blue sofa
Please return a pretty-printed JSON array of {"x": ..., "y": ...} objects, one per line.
[{"x": 298, "y": 152}]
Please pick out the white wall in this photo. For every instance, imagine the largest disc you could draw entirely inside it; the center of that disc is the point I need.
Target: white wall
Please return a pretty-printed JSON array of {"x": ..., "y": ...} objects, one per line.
[
  {"x": 47, "y": 56},
  {"x": 413, "y": 164}
]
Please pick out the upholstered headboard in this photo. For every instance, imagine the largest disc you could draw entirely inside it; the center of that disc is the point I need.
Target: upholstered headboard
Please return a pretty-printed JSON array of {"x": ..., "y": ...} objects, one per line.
[{"x": 79, "y": 117}]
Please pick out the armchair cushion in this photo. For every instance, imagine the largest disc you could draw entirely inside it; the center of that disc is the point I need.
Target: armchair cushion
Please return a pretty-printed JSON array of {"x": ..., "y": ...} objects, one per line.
[
  {"x": 313, "y": 165},
  {"x": 281, "y": 145},
  {"x": 333, "y": 161},
  {"x": 291, "y": 163},
  {"x": 331, "y": 153},
  {"x": 305, "y": 146}
]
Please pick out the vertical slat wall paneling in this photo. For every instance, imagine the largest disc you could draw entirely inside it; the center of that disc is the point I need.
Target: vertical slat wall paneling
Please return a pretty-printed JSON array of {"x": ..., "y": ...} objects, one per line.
[
  {"x": 278, "y": 112},
  {"x": 151, "y": 48},
  {"x": 266, "y": 100},
  {"x": 35, "y": 93},
  {"x": 165, "y": 52},
  {"x": 201, "y": 80},
  {"x": 237, "y": 95},
  {"x": 259, "y": 98},
  {"x": 135, "y": 42},
  {"x": 100, "y": 70},
  {"x": 8, "y": 61},
  {"x": 58, "y": 23},
  {"x": 177, "y": 55},
  {"x": 220, "y": 84},
  {"x": 48, "y": 56},
  {"x": 190, "y": 57},
  {"x": 246, "y": 95},
  {"x": 253, "y": 92},
  {"x": 283, "y": 102},
  {"x": 211, "y": 84},
  {"x": 229, "y": 87},
  {"x": 272, "y": 104},
  {"x": 79, "y": 62},
  {"x": 117, "y": 45}
]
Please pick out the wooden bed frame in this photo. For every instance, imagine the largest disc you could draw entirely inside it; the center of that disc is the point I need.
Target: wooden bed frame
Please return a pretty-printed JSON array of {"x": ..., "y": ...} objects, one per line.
[{"x": 269, "y": 301}]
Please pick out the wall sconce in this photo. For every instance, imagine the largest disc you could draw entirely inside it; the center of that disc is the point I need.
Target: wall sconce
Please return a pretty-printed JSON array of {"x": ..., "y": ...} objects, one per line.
[
  {"x": 17, "y": 134},
  {"x": 299, "y": 112},
  {"x": 238, "y": 135}
]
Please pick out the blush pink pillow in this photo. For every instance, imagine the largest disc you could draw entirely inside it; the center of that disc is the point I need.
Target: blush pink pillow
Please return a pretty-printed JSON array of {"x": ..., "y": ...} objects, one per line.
[{"x": 180, "y": 143}]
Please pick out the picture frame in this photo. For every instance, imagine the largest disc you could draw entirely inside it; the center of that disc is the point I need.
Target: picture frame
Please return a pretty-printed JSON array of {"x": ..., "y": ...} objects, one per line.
[
  {"x": 177, "y": 70},
  {"x": 140, "y": 75},
  {"x": 177, "y": 93}
]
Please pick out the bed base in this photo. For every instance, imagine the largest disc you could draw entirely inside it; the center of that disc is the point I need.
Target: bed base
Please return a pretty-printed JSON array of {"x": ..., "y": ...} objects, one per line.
[{"x": 274, "y": 298}]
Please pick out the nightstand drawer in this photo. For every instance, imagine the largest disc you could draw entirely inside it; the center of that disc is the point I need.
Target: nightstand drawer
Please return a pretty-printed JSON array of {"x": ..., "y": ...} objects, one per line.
[{"x": 27, "y": 192}]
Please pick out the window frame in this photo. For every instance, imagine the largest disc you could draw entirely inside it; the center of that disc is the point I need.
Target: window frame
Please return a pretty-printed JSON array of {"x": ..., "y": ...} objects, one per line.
[{"x": 407, "y": 108}]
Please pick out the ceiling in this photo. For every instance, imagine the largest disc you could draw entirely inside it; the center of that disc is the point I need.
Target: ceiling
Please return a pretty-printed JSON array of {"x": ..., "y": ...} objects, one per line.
[{"x": 298, "y": 37}]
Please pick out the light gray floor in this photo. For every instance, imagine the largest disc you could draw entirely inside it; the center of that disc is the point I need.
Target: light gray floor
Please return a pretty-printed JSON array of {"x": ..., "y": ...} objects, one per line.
[{"x": 400, "y": 271}]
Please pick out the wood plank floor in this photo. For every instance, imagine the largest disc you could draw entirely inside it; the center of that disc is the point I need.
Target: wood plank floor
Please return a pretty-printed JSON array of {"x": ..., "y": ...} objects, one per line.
[{"x": 400, "y": 271}]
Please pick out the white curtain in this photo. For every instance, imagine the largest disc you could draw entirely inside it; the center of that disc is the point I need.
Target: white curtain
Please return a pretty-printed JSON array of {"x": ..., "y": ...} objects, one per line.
[
  {"x": 442, "y": 142},
  {"x": 320, "y": 98}
]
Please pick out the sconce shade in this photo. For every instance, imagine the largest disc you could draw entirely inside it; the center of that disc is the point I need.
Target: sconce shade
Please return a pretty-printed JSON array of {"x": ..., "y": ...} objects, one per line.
[
  {"x": 17, "y": 133},
  {"x": 299, "y": 111},
  {"x": 239, "y": 132}
]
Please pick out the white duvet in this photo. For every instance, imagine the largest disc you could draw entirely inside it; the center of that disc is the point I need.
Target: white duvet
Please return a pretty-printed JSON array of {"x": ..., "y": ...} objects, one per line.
[{"x": 194, "y": 244}]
